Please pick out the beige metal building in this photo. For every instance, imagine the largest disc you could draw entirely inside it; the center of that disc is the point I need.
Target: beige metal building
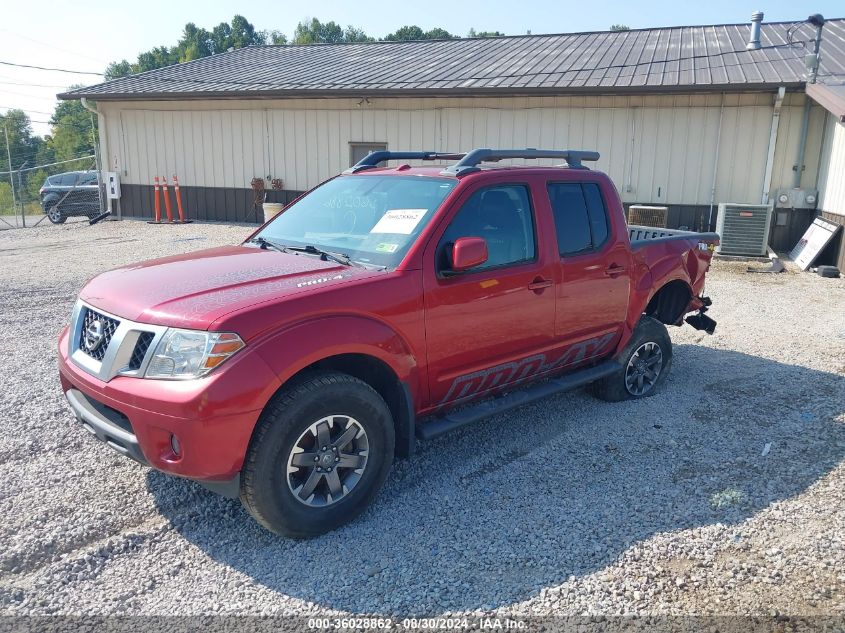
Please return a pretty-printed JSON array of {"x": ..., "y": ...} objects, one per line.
[
  {"x": 683, "y": 117},
  {"x": 832, "y": 163}
]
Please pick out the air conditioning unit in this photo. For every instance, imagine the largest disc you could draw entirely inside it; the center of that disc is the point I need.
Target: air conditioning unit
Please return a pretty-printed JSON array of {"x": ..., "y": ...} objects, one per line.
[
  {"x": 743, "y": 228},
  {"x": 643, "y": 215},
  {"x": 796, "y": 198}
]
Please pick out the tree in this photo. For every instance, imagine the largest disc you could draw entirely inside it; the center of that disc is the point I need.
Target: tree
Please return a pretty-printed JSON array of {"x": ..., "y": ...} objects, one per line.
[
  {"x": 24, "y": 147},
  {"x": 474, "y": 33},
  {"x": 353, "y": 34},
  {"x": 316, "y": 32},
  {"x": 275, "y": 37},
  {"x": 406, "y": 33},
  {"x": 413, "y": 32},
  {"x": 619, "y": 27},
  {"x": 72, "y": 131},
  {"x": 195, "y": 43},
  {"x": 23, "y": 144}
]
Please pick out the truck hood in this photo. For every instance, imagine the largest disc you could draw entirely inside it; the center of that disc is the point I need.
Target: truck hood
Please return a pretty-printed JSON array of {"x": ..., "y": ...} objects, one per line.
[{"x": 196, "y": 289}]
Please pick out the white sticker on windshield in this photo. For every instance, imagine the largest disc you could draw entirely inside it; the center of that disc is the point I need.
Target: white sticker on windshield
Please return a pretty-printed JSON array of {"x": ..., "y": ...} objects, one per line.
[{"x": 402, "y": 221}]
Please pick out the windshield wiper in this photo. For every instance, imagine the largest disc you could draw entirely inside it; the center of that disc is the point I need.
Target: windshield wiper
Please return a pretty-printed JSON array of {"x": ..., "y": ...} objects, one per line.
[
  {"x": 264, "y": 243},
  {"x": 340, "y": 258},
  {"x": 310, "y": 249}
]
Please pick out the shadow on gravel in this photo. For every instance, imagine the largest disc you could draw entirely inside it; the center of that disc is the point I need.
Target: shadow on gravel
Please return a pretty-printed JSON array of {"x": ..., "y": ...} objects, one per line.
[{"x": 492, "y": 514}]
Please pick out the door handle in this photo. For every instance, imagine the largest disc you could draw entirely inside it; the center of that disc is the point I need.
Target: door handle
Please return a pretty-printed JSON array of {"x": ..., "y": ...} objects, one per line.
[
  {"x": 614, "y": 270},
  {"x": 539, "y": 284}
]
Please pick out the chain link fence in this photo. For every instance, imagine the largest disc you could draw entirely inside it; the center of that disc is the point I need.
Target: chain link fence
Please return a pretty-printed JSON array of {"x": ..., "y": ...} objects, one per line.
[{"x": 54, "y": 192}]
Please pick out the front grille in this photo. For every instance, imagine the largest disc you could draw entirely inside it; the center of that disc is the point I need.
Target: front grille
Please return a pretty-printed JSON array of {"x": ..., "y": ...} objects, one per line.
[
  {"x": 140, "y": 350},
  {"x": 87, "y": 341}
]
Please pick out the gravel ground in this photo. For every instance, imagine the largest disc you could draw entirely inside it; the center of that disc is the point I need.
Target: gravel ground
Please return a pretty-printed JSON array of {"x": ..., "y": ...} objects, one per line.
[{"x": 724, "y": 494}]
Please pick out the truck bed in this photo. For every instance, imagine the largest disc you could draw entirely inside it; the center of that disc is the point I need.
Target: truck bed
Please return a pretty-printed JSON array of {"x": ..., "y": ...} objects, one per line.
[{"x": 642, "y": 235}]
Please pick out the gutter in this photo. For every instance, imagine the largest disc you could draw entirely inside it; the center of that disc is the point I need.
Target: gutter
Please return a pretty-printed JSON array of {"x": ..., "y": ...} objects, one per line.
[
  {"x": 93, "y": 110},
  {"x": 430, "y": 92}
]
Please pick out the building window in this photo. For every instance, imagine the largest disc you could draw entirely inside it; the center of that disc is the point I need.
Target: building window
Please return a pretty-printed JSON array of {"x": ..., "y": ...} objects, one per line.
[{"x": 357, "y": 151}]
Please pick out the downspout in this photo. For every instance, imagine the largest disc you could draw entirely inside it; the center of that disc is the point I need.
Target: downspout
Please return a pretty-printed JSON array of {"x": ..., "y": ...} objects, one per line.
[
  {"x": 716, "y": 164},
  {"x": 773, "y": 141},
  {"x": 94, "y": 111}
]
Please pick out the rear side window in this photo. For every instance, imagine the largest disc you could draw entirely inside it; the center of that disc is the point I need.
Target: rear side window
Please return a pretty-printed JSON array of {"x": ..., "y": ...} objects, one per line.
[{"x": 580, "y": 217}]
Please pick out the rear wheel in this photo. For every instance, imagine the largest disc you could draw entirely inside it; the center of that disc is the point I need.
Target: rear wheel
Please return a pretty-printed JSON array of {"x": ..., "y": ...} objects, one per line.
[
  {"x": 319, "y": 455},
  {"x": 55, "y": 215},
  {"x": 644, "y": 364}
]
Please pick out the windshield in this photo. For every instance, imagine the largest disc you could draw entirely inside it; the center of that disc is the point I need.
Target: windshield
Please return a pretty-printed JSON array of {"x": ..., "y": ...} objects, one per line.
[{"x": 372, "y": 219}]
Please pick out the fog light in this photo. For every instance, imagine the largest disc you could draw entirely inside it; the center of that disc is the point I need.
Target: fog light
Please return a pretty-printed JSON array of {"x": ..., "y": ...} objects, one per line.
[{"x": 174, "y": 444}]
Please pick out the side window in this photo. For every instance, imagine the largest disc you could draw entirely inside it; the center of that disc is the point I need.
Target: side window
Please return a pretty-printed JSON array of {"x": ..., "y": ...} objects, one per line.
[
  {"x": 598, "y": 213},
  {"x": 580, "y": 217},
  {"x": 501, "y": 215}
]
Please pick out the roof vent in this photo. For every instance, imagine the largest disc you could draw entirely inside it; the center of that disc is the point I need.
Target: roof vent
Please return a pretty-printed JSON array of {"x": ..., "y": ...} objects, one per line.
[{"x": 754, "y": 35}]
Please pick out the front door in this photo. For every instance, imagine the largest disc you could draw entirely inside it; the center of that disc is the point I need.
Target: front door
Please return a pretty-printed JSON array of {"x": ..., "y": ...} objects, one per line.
[{"x": 483, "y": 325}]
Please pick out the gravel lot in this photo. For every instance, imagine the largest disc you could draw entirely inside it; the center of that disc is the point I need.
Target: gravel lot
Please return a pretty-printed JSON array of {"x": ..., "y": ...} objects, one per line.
[{"x": 724, "y": 494}]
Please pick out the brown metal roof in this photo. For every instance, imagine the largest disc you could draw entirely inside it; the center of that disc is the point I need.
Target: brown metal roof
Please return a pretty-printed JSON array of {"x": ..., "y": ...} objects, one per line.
[{"x": 680, "y": 59}]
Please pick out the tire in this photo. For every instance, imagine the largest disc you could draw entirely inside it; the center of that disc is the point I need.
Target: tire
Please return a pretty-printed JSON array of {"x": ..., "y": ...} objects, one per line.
[
  {"x": 274, "y": 483},
  {"x": 649, "y": 349},
  {"x": 54, "y": 214}
]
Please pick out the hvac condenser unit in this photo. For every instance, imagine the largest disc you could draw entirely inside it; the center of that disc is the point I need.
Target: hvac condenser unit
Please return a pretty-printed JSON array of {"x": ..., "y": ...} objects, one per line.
[
  {"x": 643, "y": 215},
  {"x": 743, "y": 228}
]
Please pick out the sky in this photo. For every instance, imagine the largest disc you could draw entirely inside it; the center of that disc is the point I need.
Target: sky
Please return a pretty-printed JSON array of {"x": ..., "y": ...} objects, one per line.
[{"x": 87, "y": 36}]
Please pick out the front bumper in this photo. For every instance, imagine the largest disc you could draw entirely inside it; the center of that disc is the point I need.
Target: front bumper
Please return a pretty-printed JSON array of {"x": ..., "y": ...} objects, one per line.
[{"x": 212, "y": 417}]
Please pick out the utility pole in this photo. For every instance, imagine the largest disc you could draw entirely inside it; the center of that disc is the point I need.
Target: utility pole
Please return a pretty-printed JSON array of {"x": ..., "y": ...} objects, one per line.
[
  {"x": 811, "y": 61},
  {"x": 20, "y": 190},
  {"x": 11, "y": 175}
]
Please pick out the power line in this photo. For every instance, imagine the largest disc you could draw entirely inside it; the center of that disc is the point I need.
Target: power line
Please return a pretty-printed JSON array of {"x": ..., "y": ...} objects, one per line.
[
  {"x": 58, "y": 70},
  {"x": 53, "y": 46},
  {"x": 24, "y": 110},
  {"x": 18, "y": 83},
  {"x": 25, "y": 94}
]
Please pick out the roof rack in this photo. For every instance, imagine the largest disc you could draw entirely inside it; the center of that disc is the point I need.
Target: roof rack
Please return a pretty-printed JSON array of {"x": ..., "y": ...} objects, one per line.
[
  {"x": 469, "y": 163},
  {"x": 374, "y": 158}
]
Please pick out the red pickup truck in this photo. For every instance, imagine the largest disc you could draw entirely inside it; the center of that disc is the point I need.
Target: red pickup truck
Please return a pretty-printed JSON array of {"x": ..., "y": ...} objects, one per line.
[{"x": 388, "y": 304}]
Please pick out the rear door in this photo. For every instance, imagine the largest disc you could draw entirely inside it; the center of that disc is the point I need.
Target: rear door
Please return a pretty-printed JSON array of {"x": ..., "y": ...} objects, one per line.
[
  {"x": 592, "y": 298},
  {"x": 483, "y": 325}
]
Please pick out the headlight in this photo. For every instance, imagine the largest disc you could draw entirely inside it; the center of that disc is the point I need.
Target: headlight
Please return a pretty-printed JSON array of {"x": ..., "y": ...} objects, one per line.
[{"x": 185, "y": 354}]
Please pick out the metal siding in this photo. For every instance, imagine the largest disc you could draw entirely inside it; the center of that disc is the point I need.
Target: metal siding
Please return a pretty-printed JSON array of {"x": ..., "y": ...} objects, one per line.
[
  {"x": 304, "y": 142},
  {"x": 832, "y": 174}
]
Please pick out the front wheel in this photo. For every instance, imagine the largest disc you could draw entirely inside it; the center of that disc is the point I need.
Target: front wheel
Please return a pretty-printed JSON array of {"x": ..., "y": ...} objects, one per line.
[
  {"x": 644, "y": 364},
  {"x": 55, "y": 215},
  {"x": 319, "y": 455}
]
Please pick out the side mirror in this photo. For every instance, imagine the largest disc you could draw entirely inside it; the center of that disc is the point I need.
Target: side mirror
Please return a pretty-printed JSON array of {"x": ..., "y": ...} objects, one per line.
[{"x": 468, "y": 252}]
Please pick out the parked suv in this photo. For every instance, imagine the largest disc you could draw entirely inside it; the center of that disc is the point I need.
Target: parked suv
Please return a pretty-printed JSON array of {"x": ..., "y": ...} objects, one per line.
[
  {"x": 387, "y": 305},
  {"x": 72, "y": 193}
]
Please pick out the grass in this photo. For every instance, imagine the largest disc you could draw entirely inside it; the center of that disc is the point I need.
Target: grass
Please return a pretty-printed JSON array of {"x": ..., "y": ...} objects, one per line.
[{"x": 30, "y": 208}]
